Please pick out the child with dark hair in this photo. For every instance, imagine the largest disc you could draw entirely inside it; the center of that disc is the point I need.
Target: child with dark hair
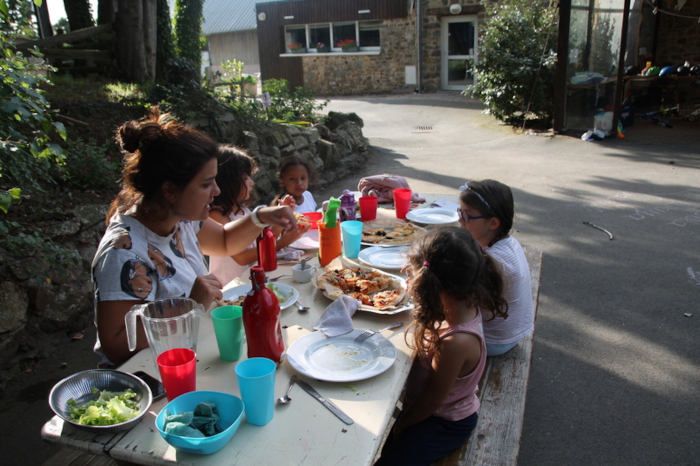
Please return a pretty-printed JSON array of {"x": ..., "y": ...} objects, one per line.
[
  {"x": 486, "y": 211},
  {"x": 235, "y": 180},
  {"x": 294, "y": 176},
  {"x": 452, "y": 282}
]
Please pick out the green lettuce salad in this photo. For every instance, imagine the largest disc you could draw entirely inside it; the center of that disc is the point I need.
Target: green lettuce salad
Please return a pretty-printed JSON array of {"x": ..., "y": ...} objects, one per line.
[
  {"x": 107, "y": 409},
  {"x": 282, "y": 298}
]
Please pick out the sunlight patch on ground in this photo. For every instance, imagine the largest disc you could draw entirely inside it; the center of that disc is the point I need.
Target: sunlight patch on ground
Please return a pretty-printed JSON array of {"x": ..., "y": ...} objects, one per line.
[{"x": 631, "y": 357}]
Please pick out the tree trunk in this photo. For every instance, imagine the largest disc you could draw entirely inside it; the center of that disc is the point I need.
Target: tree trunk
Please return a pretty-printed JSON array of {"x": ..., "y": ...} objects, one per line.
[
  {"x": 79, "y": 15},
  {"x": 105, "y": 11},
  {"x": 150, "y": 37},
  {"x": 129, "y": 43}
]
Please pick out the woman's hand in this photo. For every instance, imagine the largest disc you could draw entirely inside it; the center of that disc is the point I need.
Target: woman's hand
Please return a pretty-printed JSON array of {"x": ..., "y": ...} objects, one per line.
[
  {"x": 206, "y": 289},
  {"x": 288, "y": 237},
  {"x": 281, "y": 216},
  {"x": 289, "y": 201}
]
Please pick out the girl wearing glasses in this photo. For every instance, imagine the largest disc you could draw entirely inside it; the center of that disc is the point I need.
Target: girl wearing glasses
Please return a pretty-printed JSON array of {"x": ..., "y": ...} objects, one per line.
[{"x": 486, "y": 211}]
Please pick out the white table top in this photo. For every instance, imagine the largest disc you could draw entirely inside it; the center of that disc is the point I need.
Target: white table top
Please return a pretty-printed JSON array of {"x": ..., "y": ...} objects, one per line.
[{"x": 302, "y": 432}]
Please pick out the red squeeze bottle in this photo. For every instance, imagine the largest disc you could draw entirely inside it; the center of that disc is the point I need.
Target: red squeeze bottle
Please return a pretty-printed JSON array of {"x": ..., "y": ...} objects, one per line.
[
  {"x": 267, "y": 250},
  {"x": 261, "y": 319}
]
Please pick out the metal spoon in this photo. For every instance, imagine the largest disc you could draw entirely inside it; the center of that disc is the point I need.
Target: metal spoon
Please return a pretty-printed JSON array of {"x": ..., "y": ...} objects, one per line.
[
  {"x": 286, "y": 399},
  {"x": 304, "y": 261},
  {"x": 274, "y": 279},
  {"x": 302, "y": 308}
]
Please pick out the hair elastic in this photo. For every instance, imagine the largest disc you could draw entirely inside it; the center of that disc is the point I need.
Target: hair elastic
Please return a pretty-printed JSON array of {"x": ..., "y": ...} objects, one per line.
[{"x": 426, "y": 263}]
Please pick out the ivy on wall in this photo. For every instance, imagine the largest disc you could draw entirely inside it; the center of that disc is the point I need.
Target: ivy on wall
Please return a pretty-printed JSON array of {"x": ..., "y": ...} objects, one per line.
[
  {"x": 165, "y": 50},
  {"x": 188, "y": 29}
]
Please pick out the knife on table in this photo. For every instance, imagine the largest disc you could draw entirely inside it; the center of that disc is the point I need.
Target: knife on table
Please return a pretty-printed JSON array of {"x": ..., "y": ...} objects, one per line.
[{"x": 328, "y": 404}]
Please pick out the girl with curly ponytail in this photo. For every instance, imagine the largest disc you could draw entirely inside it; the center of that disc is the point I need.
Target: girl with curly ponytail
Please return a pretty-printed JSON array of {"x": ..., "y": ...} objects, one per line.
[{"x": 452, "y": 283}]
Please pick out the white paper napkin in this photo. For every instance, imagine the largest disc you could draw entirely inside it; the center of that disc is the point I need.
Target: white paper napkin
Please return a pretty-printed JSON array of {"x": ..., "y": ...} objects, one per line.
[
  {"x": 337, "y": 318},
  {"x": 445, "y": 204},
  {"x": 289, "y": 254}
]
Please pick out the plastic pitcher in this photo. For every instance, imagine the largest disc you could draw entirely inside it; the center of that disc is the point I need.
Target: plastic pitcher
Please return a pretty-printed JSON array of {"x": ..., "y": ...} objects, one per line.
[{"x": 169, "y": 323}]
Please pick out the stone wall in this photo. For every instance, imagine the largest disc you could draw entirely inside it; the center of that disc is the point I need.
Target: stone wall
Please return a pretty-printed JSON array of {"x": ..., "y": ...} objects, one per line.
[
  {"x": 360, "y": 73},
  {"x": 367, "y": 73},
  {"x": 33, "y": 309}
]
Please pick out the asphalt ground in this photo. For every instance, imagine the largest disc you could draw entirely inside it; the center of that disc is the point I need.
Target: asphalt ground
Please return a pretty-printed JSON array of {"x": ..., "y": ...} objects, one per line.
[{"x": 615, "y": 377}]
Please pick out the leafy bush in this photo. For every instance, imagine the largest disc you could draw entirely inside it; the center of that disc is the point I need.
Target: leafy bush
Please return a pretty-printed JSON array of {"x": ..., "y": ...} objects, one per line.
[
  {"x": 515, "y": 72},
  {"x": 291, "y": 106},
  {"x": 26, "y": 150},
  {"x": 89, "y": 165}
]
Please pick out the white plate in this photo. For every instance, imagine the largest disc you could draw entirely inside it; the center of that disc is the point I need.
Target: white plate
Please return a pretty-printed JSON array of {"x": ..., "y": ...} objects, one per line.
[
  {"x": 433, "y": 216},
  {"x": 340, "y": 359},
  {"x": 393, "y": 258},
  {"x": 289, "y": 291},
  {"x": 307, "y": 242}
]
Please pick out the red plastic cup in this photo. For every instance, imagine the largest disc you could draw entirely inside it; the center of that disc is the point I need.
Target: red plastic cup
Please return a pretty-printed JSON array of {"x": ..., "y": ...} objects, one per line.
[
  {"x": 178, "y": 370},
  {"x": 402, "y": 202},
  {"x": 368, "y": 208},
  {"x": 313, "y": 217}
]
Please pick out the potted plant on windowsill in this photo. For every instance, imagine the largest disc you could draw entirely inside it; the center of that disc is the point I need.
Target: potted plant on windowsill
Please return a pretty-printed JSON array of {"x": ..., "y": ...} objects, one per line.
[
  {"x": 348, "y": 45},
  {"x": 296, "y": 47},
  {"x": 322, "y": 48}
]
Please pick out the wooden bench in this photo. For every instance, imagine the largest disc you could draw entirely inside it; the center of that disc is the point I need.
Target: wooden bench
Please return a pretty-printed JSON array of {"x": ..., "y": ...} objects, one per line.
[{"x": 496, "y": 439}]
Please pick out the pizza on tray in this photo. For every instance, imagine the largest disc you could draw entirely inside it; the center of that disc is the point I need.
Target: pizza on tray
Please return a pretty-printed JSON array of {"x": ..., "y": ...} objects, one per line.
[
  {"x": 390, "y": 232},
  {"x": 374, "y": 289}
]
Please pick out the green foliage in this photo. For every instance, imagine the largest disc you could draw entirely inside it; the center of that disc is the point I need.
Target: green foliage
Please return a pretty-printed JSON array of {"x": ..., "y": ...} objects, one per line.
[
  {"x": 26, "y": 125},
  {"x": 291, "y": 106},
  {"x": 188, "y": 29},
  {"x": 20, "y": 243},
  {"x": 89, "y": 165},
  {"x": 165, "y": 50},
  {"x": 515, "y": 72},
  {"x": 17, "y": 16}
]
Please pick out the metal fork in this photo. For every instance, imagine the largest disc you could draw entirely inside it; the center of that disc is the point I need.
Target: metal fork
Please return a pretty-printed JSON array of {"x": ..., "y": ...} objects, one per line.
[{"x": 368, "y": 333}]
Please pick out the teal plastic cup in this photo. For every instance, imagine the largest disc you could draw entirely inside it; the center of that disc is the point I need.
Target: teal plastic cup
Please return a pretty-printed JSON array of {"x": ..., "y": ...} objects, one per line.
[
  {"x": 256, "y": 380},
  {"x": 352, "y": 237},
  {"x": 228, "y": 327}
]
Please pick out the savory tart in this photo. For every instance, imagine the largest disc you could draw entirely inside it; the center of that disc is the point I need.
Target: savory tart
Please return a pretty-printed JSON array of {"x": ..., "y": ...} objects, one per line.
[
  {"x": 374, "y": 289},
  {"x": 390, "y": 232}
]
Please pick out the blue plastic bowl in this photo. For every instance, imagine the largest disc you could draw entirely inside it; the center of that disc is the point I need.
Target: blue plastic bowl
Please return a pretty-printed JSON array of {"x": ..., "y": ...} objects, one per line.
[{"x": 230, "y": 412}]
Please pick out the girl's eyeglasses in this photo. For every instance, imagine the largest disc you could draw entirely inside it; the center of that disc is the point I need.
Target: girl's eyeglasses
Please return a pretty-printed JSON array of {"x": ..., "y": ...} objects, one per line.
[{"x": 465, "y": 217}]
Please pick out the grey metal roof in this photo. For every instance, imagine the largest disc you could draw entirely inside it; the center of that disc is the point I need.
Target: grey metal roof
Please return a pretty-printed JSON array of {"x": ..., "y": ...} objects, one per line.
[{"x": 229, "y": 15}]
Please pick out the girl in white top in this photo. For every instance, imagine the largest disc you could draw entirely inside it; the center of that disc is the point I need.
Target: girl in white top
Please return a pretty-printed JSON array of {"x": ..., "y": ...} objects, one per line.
[
  {"x": 486, "y": 211},
  {"x": 294, "y": 176},
  {"x": 235, "y": 180},
  {"x": 159, "y": 228}
]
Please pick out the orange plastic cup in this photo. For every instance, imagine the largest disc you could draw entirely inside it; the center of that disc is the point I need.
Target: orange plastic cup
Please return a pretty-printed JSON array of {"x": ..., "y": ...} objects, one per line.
[
  {"x": 402, "y": 202},
  {"x": 329, "y": 243}
]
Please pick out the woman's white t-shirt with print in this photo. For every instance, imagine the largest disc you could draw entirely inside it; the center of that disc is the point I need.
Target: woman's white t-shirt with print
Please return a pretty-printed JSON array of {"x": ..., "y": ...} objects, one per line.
[{"x": 134, "y": 263}]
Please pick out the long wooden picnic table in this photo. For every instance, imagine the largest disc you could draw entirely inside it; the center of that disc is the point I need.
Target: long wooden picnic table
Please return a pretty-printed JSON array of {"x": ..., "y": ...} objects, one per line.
[{"x": 302, "y": 432}]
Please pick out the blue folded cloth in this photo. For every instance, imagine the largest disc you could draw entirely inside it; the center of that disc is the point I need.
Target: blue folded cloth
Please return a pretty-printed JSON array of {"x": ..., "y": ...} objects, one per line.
[{"x": 200, "y": 423}]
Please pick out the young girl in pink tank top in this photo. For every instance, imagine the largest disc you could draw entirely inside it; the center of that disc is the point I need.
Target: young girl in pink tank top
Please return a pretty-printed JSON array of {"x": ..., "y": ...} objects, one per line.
[{"x": 452, "y": 281}]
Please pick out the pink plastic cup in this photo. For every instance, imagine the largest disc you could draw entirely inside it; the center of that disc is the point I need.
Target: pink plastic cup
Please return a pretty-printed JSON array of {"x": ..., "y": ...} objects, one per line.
[
  {"x": 402, "y": 202},
  {"x": 178, "y": 370},
  {"x": 368, "y": 208}
]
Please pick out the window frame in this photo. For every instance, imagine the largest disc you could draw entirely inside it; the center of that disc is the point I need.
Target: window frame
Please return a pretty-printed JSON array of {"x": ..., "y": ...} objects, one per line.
[{"x": 334, "y": 48}]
